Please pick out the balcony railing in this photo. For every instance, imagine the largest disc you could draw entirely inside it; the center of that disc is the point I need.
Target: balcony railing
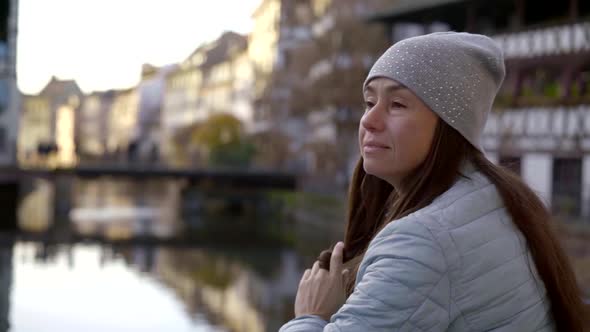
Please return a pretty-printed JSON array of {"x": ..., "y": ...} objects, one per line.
[
  {"x": 548, "y": 40},
  {"x": 563, "y": 129}
]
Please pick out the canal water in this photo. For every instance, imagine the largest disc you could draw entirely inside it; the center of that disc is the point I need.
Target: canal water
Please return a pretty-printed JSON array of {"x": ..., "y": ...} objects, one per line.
[
  {"x": 243, "y": 279},
  {"x": 89, "y": 287}
]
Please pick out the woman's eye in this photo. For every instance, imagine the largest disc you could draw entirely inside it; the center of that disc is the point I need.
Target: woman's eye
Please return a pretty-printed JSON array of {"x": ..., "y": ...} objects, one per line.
[
  {"x": 397, "y": 105},
  {"x": 369, "y": 104}
]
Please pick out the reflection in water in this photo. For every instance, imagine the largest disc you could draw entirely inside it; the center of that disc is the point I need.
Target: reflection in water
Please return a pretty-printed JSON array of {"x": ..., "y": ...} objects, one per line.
[
  {"x": 229, "y": 289},
  {"x": 121, "y": 209},
  {"x": 117, "y": 209},
  {"x": 74, "y": 287},
  {"x": 97, "y": 288},
  {"x": 5, "y": 283},
  {"x": 88, "y": 288},
  {"x": 36, "y": 208}
]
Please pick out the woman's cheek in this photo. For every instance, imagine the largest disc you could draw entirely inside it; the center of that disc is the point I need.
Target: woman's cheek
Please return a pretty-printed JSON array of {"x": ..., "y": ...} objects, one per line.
[
  {"x": 404, "y": 134},
  {"x": 408, "y": 143},
  {"x": 361, "y": 135}
]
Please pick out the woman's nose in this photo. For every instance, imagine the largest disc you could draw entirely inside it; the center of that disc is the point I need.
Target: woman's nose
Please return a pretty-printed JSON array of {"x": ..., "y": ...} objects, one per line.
[{"x": 372, "y": 119}]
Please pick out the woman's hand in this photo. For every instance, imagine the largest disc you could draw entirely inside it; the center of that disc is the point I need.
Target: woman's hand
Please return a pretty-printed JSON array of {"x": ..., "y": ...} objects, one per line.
[{"x": 322, "y": 292}]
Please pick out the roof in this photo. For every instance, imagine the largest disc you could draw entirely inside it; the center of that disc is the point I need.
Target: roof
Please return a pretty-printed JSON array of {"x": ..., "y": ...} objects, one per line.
[
  {"x": 58, "y": 86},
  {"x": 219, "y": 50},
  {"x": 223, "y": 48},
  {"x": 119, "y": 92},
  {"x": 407, "y": 7}
]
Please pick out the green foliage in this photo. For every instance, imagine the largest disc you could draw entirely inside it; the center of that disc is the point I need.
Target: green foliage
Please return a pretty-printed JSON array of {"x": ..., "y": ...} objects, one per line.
[
  {"x": 211, "y": 274},
  {"x": 328, "y": 206},
  {"x": 218, "y": 129},
  {"x": 223, "y": 142},
  {"x": 552, "y": 89},
  {"x": 236, "y": 154}
]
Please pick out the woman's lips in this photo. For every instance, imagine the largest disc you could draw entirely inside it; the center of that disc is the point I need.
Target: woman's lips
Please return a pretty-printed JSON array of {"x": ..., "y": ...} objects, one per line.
[{"x": 374, "y": 147}]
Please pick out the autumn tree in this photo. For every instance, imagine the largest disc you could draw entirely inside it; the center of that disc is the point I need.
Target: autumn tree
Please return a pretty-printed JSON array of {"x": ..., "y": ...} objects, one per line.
[
  {"x": 334, "y": 64},
  {"x": 222, "y": 142},
  {"x": 323, "y": 71},
  {"x": 327, "y": 73}
]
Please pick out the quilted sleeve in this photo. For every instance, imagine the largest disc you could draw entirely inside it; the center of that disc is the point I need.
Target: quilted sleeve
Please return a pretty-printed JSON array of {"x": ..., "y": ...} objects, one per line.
[{"x": 402, "y": 285}]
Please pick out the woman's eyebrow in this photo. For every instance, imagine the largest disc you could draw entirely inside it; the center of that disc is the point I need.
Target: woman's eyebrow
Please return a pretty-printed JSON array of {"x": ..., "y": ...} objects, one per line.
[{"x": 389, "y": 88}]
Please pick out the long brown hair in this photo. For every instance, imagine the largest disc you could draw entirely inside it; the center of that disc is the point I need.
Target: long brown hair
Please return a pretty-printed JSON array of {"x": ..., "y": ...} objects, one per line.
[{"x": 373, "y": 203}]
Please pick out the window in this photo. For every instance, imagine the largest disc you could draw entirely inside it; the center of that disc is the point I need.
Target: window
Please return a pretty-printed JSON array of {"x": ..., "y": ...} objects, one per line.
[{"x": 567, "y": 186}]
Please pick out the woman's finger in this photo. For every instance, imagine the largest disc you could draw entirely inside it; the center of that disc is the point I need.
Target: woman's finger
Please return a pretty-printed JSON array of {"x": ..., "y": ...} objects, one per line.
[
  {"x": 315, "y": 268},
  {"x": 336, "y": 259},
  {"x": 306, "y": 275}
]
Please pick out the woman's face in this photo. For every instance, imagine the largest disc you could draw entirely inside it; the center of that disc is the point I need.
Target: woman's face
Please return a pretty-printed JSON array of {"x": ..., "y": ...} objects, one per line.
[{"x": 395, "y": 132}]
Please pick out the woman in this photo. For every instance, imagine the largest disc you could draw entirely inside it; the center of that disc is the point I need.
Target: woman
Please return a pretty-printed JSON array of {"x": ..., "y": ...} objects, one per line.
[{"x": 438, "y": 237}]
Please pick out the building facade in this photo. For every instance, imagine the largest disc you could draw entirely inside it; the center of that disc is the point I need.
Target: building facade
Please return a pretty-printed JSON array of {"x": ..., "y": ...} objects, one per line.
[
  {"x": 122, "y": 124},
  {"x": 35, "y": 132},
  {"x": 279, "y": 28},
  {"x": 216, "y": 78},
  {"x": 9, "y": 96},
  {"x": 225, "y": 72},
  {"x": 47, "y": 124},
  {"x": 92, "y": 125},
  {"x": 66, "y": 155},
  {"x": 151, "y": 91}
]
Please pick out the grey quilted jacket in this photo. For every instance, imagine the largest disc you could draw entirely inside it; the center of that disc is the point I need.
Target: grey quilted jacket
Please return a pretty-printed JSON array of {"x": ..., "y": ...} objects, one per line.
[{"x": 458, "y": 264}]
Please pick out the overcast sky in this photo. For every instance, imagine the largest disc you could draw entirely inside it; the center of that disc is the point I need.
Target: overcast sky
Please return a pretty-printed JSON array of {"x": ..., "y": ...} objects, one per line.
[{"x": 103, "y": 43}]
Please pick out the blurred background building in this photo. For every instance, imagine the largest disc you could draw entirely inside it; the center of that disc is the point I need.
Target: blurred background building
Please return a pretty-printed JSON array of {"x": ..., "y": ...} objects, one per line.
[
  {"x": 92, "y": 125},
  {"x": 122, "y": 121},
  {"x": 47, "y": 125},
  {"x": 9, "y": 96}
]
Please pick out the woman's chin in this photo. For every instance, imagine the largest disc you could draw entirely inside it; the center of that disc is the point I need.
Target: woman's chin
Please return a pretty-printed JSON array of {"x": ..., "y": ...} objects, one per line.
[
  {"x": 371, "y": 168},
  {"x": 380, "y": 170}
]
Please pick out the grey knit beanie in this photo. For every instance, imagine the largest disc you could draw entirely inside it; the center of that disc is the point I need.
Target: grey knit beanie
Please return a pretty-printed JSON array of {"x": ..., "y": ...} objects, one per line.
[{"x": 457, "y": 74}]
